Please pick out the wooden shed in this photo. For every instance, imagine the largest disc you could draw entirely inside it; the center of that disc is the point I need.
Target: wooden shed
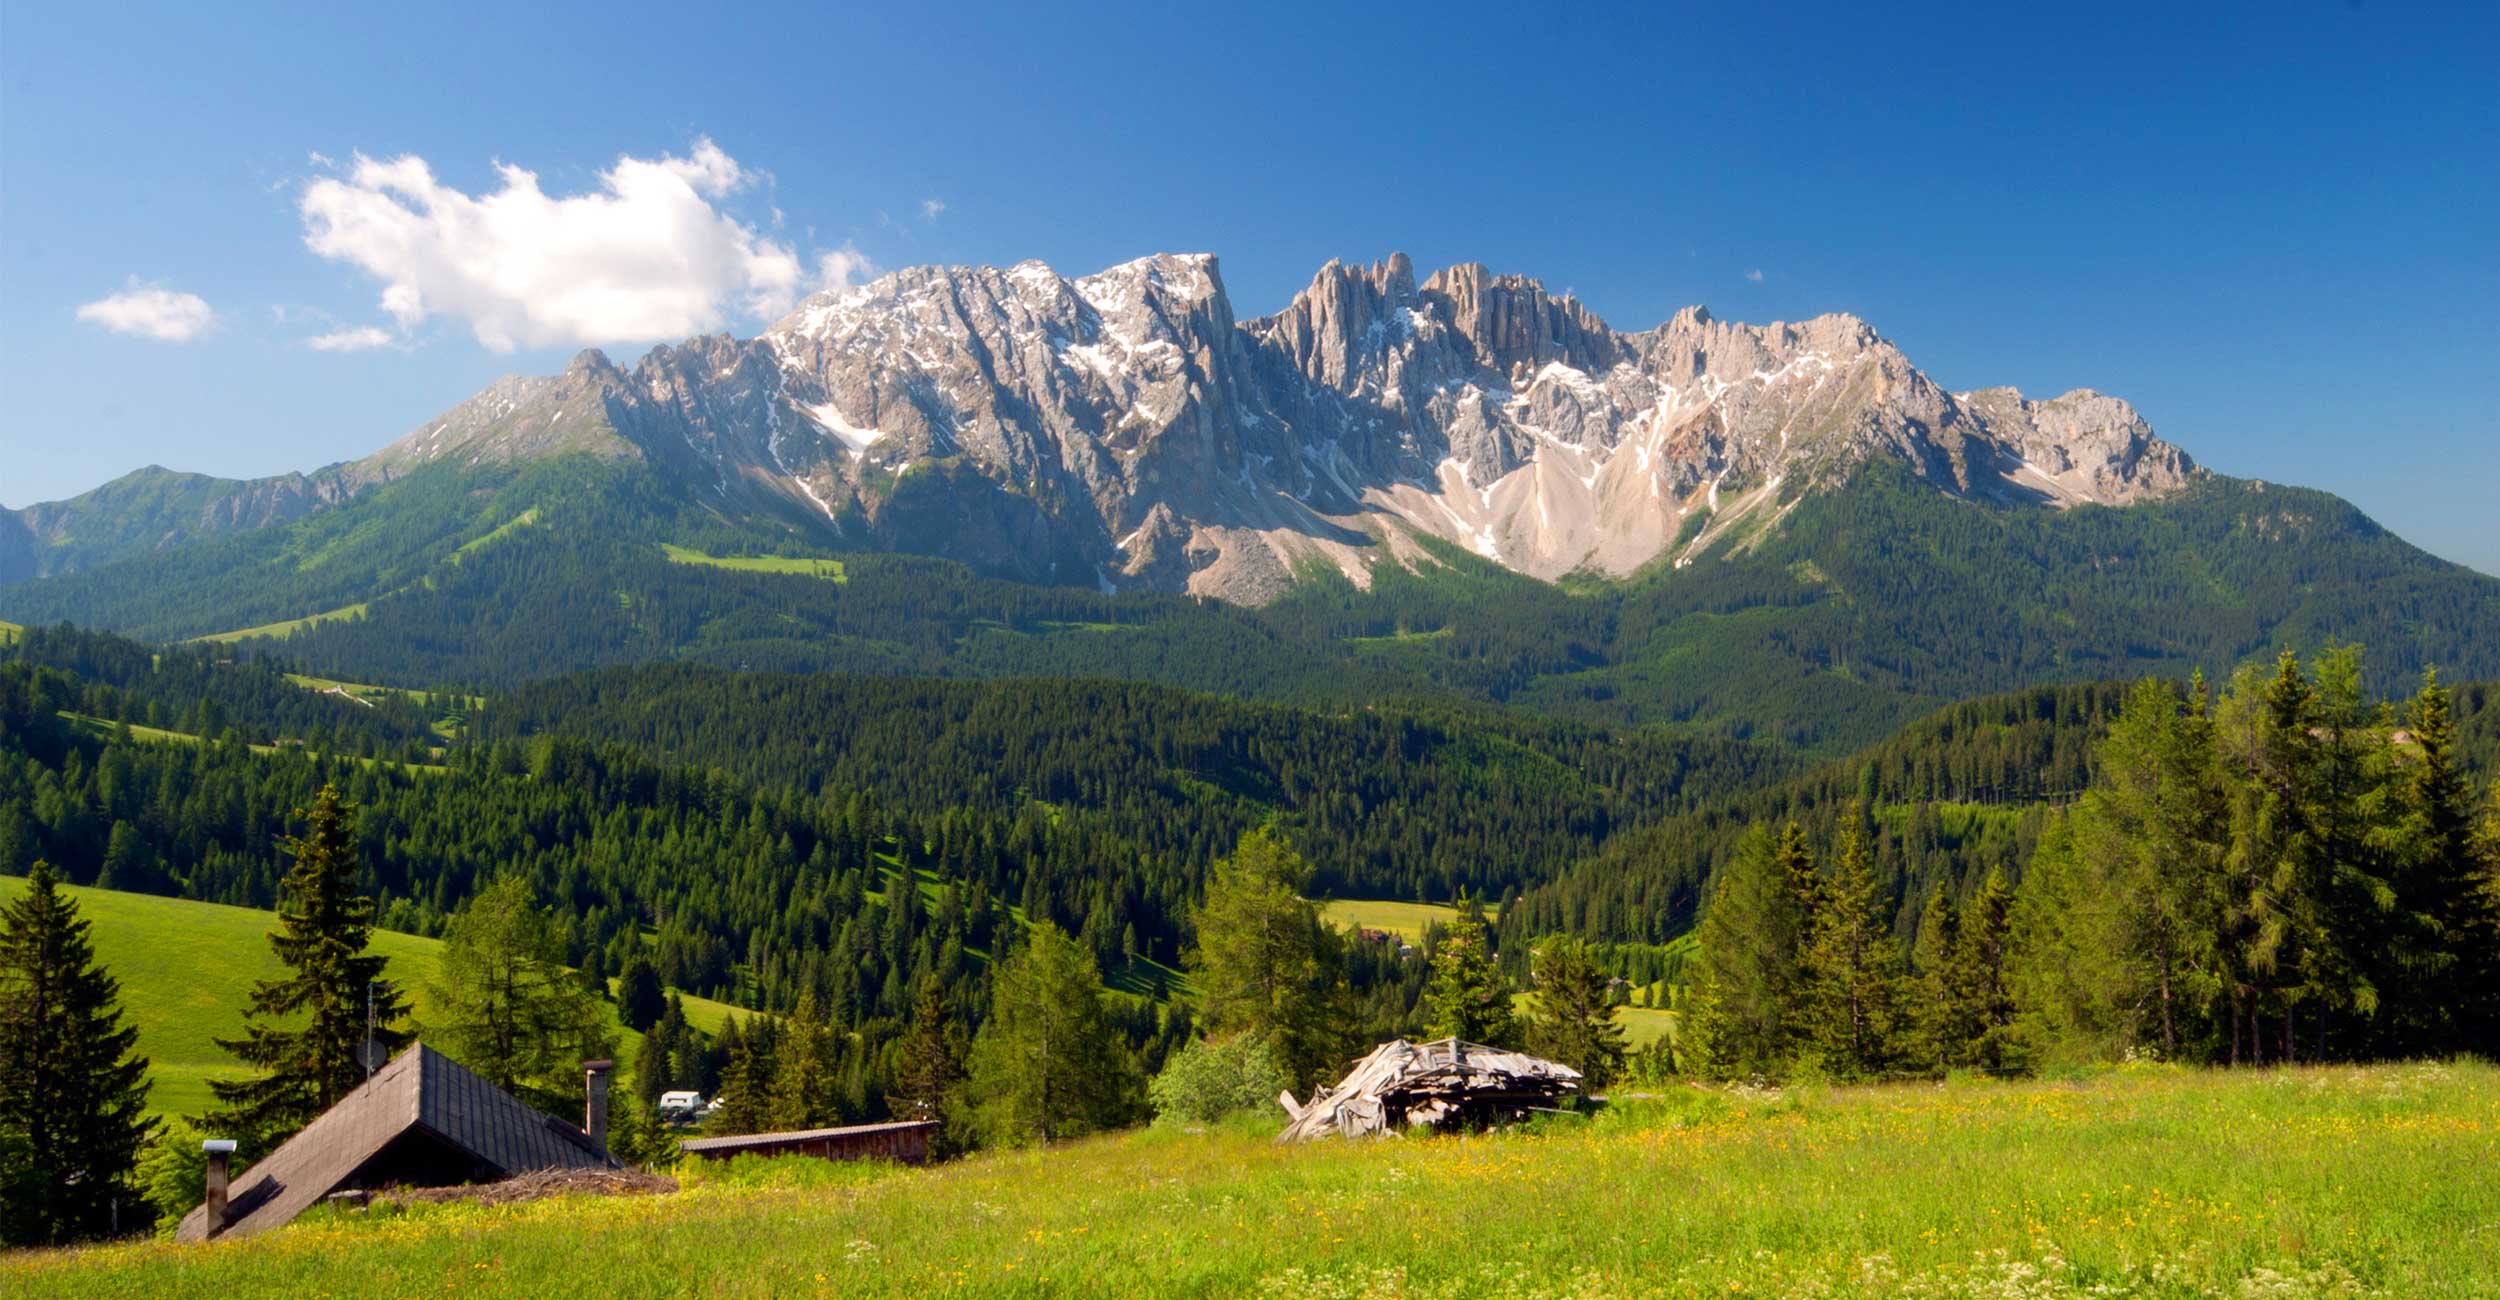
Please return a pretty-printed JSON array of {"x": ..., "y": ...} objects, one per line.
[
  {"x": 906, "y": 1141},
  {"x": 421, "y": 1121}
]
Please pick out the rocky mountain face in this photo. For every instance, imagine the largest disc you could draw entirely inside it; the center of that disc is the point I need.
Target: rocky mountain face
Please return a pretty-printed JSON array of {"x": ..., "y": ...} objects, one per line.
[{"x": 1124, "y": 429}]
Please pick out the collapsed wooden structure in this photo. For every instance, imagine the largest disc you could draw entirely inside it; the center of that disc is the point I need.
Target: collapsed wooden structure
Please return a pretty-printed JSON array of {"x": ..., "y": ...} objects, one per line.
[{"x": 1442, "y": 1084}]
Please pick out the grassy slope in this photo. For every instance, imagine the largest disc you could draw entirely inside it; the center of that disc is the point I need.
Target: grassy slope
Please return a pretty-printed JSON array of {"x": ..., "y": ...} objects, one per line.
[
  {"x": 2148, "y": 1182},
  {"x": 818, "y": 568},
  {"x": 187, "y": 969},
  {"x": 1406, "y": 920},
  {"x": 285, "y": 626}
]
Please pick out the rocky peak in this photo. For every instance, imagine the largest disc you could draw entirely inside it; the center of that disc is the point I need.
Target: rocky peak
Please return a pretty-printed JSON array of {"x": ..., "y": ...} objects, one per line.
[
  {"x": 1124, "y": 423},
  {"x": 1516, "y": 326}
]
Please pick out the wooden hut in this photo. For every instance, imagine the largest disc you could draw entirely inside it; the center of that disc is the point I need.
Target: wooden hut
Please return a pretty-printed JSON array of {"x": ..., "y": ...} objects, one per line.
[
  {"x": 421, "y": 1121},
  {"x": 906, "y": 1141}
]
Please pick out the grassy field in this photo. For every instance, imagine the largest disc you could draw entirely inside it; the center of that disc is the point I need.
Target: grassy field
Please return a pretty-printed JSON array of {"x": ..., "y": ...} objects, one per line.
[
  {"x": 289, "y": 625},
  {"x": 1405, "y": 920},
  {"x": 95, "y": 726},
  {"x": 187, "y": 969},
  {"x": 2145, "y": 1182},
  {"x": 8, "y": 631},
  {"x": 814, "y": 568}
]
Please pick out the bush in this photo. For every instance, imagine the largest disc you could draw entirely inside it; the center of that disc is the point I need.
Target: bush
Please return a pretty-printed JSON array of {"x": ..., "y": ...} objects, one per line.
[
  {"x": 1209, "y": 1080},
  {"x": 173, "y": 1172}
]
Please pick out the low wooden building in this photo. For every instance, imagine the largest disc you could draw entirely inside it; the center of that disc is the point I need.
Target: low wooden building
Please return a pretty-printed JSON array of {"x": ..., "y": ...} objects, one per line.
[
  {"x": 422, "y": 1120},
  {"x": 906, "y": 1141}
]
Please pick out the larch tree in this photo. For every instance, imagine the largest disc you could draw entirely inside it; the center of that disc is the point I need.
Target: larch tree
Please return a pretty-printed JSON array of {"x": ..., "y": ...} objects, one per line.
[
  {"x": 305, "y": 1032},
  {"x": 1049, "y": 1064},
  {"x": 504, "y": 1005},
  {"x": 1262, "y": 959},
  {"x": 73, "y": 1088}
]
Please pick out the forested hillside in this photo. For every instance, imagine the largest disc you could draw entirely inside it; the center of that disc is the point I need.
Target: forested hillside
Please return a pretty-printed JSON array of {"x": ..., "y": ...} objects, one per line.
[
  {"x": 1385, "y": 803},
  {"x": 1863, "y": 608},
  {"x": 1969, "y": 789}
]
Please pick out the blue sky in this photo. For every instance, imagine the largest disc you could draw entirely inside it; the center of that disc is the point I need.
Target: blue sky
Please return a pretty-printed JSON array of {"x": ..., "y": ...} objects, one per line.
[{"x": 2272, "y": 228}]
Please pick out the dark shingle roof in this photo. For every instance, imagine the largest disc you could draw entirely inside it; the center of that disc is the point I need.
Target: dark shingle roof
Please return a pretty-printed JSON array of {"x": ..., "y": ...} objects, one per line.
[{"x": 421, "y": 1090}]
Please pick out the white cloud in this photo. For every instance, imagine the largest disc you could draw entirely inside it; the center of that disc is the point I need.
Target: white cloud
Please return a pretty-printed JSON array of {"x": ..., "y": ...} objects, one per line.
[
  {"x": 648, "y": 255},
  {"x": 931, "y": 207},
  {"x": 152, "y": 311},
  {"x": 844, "y": 267},
  {"x": 360, "y": 339},
  {"x": 1754, "y": 275}
]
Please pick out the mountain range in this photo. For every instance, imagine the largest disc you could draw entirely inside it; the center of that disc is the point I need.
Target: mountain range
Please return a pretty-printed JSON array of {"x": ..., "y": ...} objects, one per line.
[
  {"x": 1464, "y": 491},
  {"x": 1124, "y": 430}
]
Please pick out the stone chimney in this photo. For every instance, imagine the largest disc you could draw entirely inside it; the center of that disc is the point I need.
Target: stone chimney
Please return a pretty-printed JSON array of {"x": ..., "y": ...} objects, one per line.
[
  {"x": 220, "y": 1151},
  {"x": 595, "y": 1082}
]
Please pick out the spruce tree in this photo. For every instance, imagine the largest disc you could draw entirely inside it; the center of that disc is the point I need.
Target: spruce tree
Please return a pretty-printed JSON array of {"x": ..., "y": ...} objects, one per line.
[
  {"x": 1468, "y": 998},
  {"x": 73, "y": 1090},
  {"x": 929, "y": 1068},
  {"x": 324, "y": 926},
  {"x": 1853, "y": 968},
  {"x": 1751, "y": 942},
  {"x": 1983, "y": 965},
  {"x": 2447, "y": 997},
  {"x": 805, "y": 1087},
  {"x": 652, "y": 1069},
  {"x": 1573, "y": 1022},
  {"x": 639, "y": 996},
  {"x": 1941, "y": 1014},
  {"x": 745, "y": 1095}
]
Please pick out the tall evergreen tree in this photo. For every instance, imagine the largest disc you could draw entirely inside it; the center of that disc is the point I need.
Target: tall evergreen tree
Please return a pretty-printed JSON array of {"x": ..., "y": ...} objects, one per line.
[
  {"x": 1853, "y": 968},
  {"x": 1751, "y": 949},
  {"x": 806, "y": 1089},
  {"x": 1048, "y": 1064},
  {"x": 1983, "y": 974},
  {"x": 1573, "y": 1021},
  {"x": 745, "y": 1095},
  {"x": 639, "y": 996},
  {"x": 2446, "y": 994},
  {"x": 929, "y": 1068},
  {"x": 1468, "y": 997},
  {"x": 335, "y": 989},
  {"x": 504, "y": 1005},
  {"x": 1941, "y": 1012},
  {"x": 1263, "y": 961},
  {"x": 73, "y": 1088}
]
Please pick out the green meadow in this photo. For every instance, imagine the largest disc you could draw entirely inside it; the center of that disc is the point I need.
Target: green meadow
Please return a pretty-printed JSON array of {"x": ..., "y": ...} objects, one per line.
[
  {"x": 814, "y": 568},
  {"x": 2147, "y": 1181},
  {"x": 187, "y": 969},
  {"x": 1405, "y": 920},
  {"x": 286, "y": 626}
]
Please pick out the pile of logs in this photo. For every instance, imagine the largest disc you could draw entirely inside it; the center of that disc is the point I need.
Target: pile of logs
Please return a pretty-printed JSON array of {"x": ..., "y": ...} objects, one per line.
[{"x": 1436, "y": 1085}]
